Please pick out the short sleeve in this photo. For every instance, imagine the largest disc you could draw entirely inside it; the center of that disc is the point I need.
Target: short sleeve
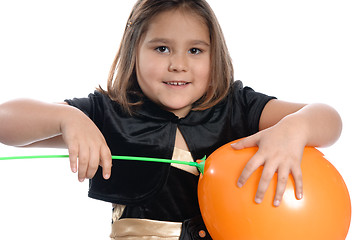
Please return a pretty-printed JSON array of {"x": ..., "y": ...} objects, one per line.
[
  {"x": 248, "y": 106},
  {"x": 92, "y": 106}
]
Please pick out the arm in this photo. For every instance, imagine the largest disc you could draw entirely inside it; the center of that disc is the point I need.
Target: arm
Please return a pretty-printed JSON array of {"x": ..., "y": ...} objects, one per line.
[
  {"x": 285, "y": 129},
  {"x": 28, "y": 122},
  {"x": 23, "y": 122},
  {"x": 320, "y": 123}
]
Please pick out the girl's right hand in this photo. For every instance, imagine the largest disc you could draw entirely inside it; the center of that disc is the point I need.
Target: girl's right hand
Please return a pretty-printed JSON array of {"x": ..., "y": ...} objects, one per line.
[
  {"x": 26, "y": 122},
  {"x": 86, "y": 145}
]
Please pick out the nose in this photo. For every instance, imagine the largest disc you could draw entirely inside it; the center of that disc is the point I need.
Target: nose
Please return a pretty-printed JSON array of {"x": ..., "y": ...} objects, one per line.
[{"x": 178, "y": 63}]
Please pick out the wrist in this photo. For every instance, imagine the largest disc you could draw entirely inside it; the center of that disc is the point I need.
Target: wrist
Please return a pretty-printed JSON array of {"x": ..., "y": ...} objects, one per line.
[
  {"x": 316, "y": 124},
  {"x": 67, "y": 116},
  {"x": 296, "y": 128}
]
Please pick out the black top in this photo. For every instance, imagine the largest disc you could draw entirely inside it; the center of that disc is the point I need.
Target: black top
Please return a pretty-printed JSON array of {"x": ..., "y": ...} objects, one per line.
[{"x": 151, "y": 132}]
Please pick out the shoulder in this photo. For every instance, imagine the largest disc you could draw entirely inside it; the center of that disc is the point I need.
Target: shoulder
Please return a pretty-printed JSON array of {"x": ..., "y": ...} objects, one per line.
[
  {"x": 95, "y": 99},
  {"x": 245, "y": 95},
  {"x": 238, "y": 84},
  {"x": 96, "y": 105}
]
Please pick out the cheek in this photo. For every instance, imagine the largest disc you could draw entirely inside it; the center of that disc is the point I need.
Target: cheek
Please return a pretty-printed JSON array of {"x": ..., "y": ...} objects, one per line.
[
  {"x": 149, "y": 68},
  {"x": 203, "y": 72}
]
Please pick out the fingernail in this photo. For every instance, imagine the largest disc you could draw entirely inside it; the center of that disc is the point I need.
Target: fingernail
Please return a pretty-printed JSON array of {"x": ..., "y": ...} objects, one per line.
[
  {"x": 239, "y": 184},
  {"x": 73, "y": 170},
  {"x": 300, "y": 196},
  {"x": 107, "y": 176},
  {"x": 258, "y": 200},
  {"x": 81, "y": 179},
  {"x": 276, "y": 203}
]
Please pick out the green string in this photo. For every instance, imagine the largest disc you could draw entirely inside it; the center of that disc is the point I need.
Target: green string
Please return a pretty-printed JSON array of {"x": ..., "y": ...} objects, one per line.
[
  {"x": 34, "y": 157},
  {"x": 200, "y": 166}
]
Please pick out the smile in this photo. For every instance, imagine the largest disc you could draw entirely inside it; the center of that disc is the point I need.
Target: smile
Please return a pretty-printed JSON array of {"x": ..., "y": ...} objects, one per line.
[{"x": 175, "y": 83}]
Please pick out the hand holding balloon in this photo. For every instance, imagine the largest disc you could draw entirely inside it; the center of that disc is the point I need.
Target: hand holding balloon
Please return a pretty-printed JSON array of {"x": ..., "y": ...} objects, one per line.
[
  {"x": 286, "y": 129},
  {"x": 279, "y": 152}
]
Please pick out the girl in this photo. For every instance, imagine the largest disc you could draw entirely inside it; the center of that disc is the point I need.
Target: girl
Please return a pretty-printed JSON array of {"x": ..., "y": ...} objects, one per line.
[{"x": 170, "y": 94}]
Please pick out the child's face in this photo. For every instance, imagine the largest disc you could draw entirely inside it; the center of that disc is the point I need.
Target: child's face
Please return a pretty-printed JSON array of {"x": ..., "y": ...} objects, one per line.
[{"x": 173, "y": 61}]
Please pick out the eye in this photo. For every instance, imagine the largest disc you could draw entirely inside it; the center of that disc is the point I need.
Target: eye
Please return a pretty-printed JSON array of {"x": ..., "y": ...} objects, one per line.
[
  {"x": 162, "y": 49},
  {"x": 195, "y": 51}
]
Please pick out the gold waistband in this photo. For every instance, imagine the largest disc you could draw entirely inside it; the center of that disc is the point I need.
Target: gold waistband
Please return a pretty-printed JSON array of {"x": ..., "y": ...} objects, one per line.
[{"x": 131, "y": 229}]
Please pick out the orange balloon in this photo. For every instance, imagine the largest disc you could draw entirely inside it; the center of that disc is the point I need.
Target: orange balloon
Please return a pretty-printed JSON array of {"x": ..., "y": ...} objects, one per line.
[{"x": 230, "y": 212}]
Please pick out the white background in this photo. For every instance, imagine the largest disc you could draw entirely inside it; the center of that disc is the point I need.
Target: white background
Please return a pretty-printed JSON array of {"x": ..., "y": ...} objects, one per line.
[{"x": 301, "y": 51}]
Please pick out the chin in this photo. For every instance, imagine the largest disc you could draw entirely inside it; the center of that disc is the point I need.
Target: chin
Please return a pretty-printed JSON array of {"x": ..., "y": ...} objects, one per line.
[{"x": 179, "y": 110}]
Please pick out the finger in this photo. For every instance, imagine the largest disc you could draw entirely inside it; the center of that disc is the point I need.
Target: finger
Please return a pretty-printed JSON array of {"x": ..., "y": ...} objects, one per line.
[
  {"x": 94, "y": 159},
  {"x": 73, "y": 155},
  {"x": 298, "y": 180},
  {"x": 247, "y": 142},
  {"x": 282, "y": 179},
  {"x": 255, "y": 162},
  {"x": 266, "y": 178},
  {"x": 83, "y": 163},
  {"x": 106, "y": 162}
]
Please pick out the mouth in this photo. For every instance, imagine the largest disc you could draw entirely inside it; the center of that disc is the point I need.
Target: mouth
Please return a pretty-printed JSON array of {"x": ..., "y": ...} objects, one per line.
[{"x": 176, "y": 83}]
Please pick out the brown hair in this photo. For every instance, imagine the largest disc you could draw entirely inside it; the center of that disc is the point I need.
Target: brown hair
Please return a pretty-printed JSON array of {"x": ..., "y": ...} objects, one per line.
[{"x": 122, "y": 80}]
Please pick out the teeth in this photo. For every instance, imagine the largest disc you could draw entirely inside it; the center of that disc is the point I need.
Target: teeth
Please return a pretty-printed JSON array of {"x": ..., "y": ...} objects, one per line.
[{"x": 176, "y": 83}]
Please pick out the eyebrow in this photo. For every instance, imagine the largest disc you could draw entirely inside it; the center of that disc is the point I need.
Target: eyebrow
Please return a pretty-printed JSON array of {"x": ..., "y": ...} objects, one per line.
[
  {"x": 166, "y": 41},
  {"x": 200, "y": 42},
  {"x": 159, "y": 40}
]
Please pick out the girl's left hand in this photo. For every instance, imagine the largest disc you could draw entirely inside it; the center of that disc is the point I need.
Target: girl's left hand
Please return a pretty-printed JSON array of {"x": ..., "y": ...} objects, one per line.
[{"x": 278, "y": 151}]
